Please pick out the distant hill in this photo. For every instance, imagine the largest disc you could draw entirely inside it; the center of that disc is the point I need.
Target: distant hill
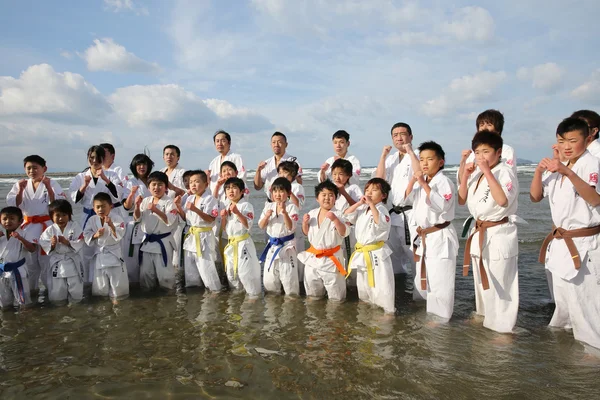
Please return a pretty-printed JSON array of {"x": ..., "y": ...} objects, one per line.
[{"x": 523, "y": 161}]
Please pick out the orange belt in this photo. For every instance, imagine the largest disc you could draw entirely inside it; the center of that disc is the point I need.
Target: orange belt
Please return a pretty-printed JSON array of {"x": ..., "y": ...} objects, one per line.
[
  {"x": 35, "y": 219},
  {"x": 567, "y": 236},
  {"x": 422, "y": 233},
  {"x": 329, "y": 253}
]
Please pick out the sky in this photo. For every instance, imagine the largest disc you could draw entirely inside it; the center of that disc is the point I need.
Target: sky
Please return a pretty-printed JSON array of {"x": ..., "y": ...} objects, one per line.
[{"x": 142, "y": 74}]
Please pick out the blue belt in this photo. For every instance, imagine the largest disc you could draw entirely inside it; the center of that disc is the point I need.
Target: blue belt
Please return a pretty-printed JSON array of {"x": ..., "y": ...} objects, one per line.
[
  {"x": 90, "y": 213},
  {"x": 14, "y": 268},
  {"x": 152, "y": 238},
  {"x": 278, "y": 242}
]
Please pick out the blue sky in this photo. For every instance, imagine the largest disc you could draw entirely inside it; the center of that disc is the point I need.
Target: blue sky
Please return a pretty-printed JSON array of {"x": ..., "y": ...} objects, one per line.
[{"x": 148, "y": 73}]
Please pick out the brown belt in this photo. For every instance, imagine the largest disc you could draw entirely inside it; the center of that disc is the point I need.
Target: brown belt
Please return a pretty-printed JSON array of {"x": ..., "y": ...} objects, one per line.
[
  {"x": 481, "y": 227},
  {"x": 567, "y": 236},
  {"x": 422, "y": 233}
]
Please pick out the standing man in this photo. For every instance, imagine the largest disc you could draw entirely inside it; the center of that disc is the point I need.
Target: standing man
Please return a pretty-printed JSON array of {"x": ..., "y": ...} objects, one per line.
[
  {"x": 222, "y": 142},
  {"x": 398, "y": 170}
]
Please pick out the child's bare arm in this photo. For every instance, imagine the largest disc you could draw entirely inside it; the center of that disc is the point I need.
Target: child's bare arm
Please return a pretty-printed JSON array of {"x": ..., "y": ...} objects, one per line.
[
  {"x": 30, "y": 247},
  {"x": 265, "y": 220}
]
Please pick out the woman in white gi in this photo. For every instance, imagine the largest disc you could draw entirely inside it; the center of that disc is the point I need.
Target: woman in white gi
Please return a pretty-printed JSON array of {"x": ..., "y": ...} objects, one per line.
[
  {"x": 241, "y": 262},
  {"x": 433, "y": 196},
  {"x": 571, "y": 250},
  {"x": 490, "y": 189},
  {"x": 222, "y": 142},
  {"x": 371, "y": 258},
  {"x": 199, "y": 244},
  {"x": 104, "y": 232},
  {"x": 279, "y": 219},
  {"x": 62, "y": 241},
  {"x": 84, "y": 187}
]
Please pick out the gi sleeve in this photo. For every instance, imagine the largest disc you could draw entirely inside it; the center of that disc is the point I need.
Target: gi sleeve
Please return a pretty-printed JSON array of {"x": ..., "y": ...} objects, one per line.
[
  {"x": 11, "y": 197},
  {"x": 248, "y": 211},
  {"x": 77, "y": 239},
  {"x": 440, "y": 196},
  {"x": 509, "y": 183},
  {"x": 292, "y": 211},
  {"x": 90, "y": 230},
  {"x": 239, "y": 163},
  {"x": 45, "y": 238},
  {"x": 76, "y": 183},
  {"x": 58, "y": 190}
]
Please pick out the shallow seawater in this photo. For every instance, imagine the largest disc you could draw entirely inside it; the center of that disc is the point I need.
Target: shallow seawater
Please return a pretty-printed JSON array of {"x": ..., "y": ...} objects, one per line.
[{"x": 195, "y": 344}]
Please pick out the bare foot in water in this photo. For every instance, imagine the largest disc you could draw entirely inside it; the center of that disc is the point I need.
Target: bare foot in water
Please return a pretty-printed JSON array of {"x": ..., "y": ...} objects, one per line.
[{"x": 503, "y": 339}]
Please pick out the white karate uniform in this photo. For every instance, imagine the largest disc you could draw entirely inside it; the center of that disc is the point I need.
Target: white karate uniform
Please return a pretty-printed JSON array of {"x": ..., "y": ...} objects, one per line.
[
  {"x": 215, "y": 168},
  {"x": 153, "y": 268},
  {"x": 368, "y": 233},
  {"x": 576, "y": 292},
  {"x": 594, "y": 148},
  {"x": 108, "y": 272},
  {"x": 500, "y": 303},
  {"x": 399, "y": 171},
  {"x": 176, "y": 178},
  {"x": 508, "y": 157},
  {"x": 130, "y": 245},
  {"x": 87, "y": 202},
  {"x": 269, "y": 173},
  {"x": 200, "y": 270},
  {"x": 35, "y": 203},
  {"x": 354, "y": 179},
  {"x": 66, "y": 268},
  {"x": 442, "y": 245},
  {"x": 281, "y": 269},
  {"x": 123, "y": 178},
  {"x": 321, "y": 274},
  {"x": 12, "y": 250},
  {"x": 342, "y": 204},
  {"x": 298, "y": 191}
]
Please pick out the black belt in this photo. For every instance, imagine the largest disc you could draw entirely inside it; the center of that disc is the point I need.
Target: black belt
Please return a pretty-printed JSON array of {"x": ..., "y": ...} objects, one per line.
[{"x": 400, "y": 210}]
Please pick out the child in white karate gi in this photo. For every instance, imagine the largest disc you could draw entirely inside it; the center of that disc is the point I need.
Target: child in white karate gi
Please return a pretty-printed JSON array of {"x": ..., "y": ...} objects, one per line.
[
  {"x": 570, "y": 251},
  {"x": 32, "y": 196},
  {"x": 228, "y": 170},
  {"x": 241, "y": 262},
  {"x": 158, "y": 217},
  {"x": 341, "y": 142},
  {"x": 279, "y": 219},
  {"x": 490, "y": 189},
  {"x": 324, "y": 260},
  {"x": 62, "y": 241},
  {"x": 436, "y": 244},
  {"x": 14, "y": 285},
  {"x": 371, "y": 258},
  {"x": 199, "y": 244},
  {"x": 222, "y": 142},
  {"x": 104, "y": 233}
]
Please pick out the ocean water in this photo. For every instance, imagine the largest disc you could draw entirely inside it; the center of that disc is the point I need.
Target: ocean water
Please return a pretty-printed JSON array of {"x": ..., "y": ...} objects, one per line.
[{"x": 200, "y": 345}]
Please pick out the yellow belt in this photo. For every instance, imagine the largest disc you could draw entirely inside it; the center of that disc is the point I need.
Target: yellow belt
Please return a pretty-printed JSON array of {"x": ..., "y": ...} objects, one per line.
[
  {"x": 234, "y": 241},
  {"x": 196, "y": 231},
  {"x": 366, "y": 249}
]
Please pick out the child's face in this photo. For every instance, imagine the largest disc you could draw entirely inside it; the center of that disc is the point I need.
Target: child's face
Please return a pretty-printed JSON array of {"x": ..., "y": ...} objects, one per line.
[
  {"x": 35, "y": 171},
  {"x": 486, "y": 126},
  {"x": 157, "y": 188},
  {"x": 326, "y": 199},
  {"x": 430, "y": 162},
  {"x": 228, "y": 172},
  {"x": 339, "y": 177},
  {"x": 374, "y": 193},
  {"x": 279, "y": 195},
  {"x": 486, "y": 152},
  {"x": 572, "y": 144},
  {"x": 10, "y": 222},
  {"x": 340, "y": 146},
  {"x": 221, "y": 143},
  {"x": 186, "y": 182},
  {"x": 286, "y": 175},
  {"x": 102, "y": 208},
  {"x": 400, "y": 136},
  {"x": 109, "y": 158},
  {"x": 197, "y": 184},
  {"x": 94, "y": 161},
  {"x": 170, "y": 157},
  {"x": 141, "y": 169},
  {"x": 60, "y": 218},
  {"x": 233, "y": 193}
]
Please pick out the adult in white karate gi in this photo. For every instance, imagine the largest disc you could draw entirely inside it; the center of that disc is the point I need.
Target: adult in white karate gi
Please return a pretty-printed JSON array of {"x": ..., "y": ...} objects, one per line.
[
  {"x": 341, "y": 142},
  {"x": 222, "y": 142}
]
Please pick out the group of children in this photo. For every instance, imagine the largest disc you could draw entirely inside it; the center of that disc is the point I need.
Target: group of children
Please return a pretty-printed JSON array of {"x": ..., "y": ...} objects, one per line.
[{"x": 142, "y": 229}]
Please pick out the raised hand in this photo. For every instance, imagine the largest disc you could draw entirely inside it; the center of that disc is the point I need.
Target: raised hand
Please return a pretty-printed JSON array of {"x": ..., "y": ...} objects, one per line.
[
  {"x": 223, "y": 213},
  {"x": 138, "y": 201},
  {"x": 483, "y": 165},
  {"x": 324, "y": 167},
  {"x": 15, "y": 235},
  {"x": 330, "y": 215},
  {"x": 268, "y": 213},
  {"x": 22, "y": 184},
  {"x": 177, "y": 201},
  {"x": 468, "y": 170},
  {"x": 407, "y": 147},
  {"x": 53, "y": 241},
  {"x": 306, "y": 219},
  {"x": 386, "y": 151},
  {"x": 261, "y": 165},
  {"x": 63, "y": 240},
  {"x": 99, "y": 233},
  {"x": 46, "y": 181},
  {"x": 464, "y": 155}
]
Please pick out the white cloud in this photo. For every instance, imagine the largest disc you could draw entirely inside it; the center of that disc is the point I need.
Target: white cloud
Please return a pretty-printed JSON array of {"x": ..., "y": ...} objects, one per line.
[
  {"x": 237, "y": 119},
  {"x": 463, "y": 92},
  {"x": 43, "y": 93},
  {"x": 124, "y": 6},
  {"x": 471, "y": 23},
  {"x": 546, "y": 77},
  {"x": 589, "y": 90},
  {"x": 66, "y": 54},
  {"x": 106, "y": 55}
]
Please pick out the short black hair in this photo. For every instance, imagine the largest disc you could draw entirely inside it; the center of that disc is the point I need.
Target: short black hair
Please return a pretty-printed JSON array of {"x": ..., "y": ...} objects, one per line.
[
  {"x": 493, "y": 117},
  {"x": 10, "y": 210},
  {"x": 235, "y": 181},
  {"x": 34, "y": 159},
  {"x": 384, "y": 186},
  {"x": 277, "y": 133},
  {"x": 141, "y": 159},
  {"x": 341, "y": 134},
  {"x": 290, "y": 166},
  {"x": 401, "y": 125},
  {"x": 222, "y": 132},
  {"x": 62, "y": 206},
  {"x": 193, "y": 172},
  {"x": 491, "y": 138},
  {"x": 326, "y": 185},
  {"x": 187, "y": 174},
  {"x": 104, "y": 197},
  {"x": 159, "y": 177},
  {"x": 591, "y": 117},
  {"x": 344, "y": 165},
  {"x": 228, "y": 164},
  {"x": 98, "y": 152},
  {"x": 283, "y": 184},
  {"x": 109, "y": 147},
  {"x": 571, "y": 125},
  {"x": 172, "y": 146},
  {"x": 436, "y": 148}
]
